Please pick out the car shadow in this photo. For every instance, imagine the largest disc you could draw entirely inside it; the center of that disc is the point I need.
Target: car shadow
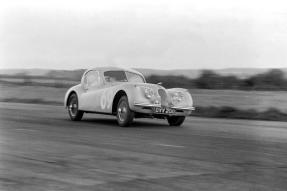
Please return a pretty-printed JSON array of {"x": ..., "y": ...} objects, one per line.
[
  {"x": 138, "y": 123},
  {"x": 102, "y": 121},
  {"x": 154, "y": 124}
]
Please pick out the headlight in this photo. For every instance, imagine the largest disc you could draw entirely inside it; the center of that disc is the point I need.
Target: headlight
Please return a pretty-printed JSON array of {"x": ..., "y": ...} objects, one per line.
[
  {"x": 149, "y": 92},
  {"x": 177, "y": 97}
]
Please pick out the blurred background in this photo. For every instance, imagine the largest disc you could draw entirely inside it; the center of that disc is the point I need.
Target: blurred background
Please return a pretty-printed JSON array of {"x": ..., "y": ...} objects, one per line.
[
  {"x": 220, "y": 93},
  {"x": 229, "y": 54}
]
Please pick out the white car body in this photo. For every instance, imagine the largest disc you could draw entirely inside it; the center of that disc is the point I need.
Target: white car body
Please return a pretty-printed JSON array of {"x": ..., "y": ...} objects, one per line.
[{"x": 102, "y": 94}]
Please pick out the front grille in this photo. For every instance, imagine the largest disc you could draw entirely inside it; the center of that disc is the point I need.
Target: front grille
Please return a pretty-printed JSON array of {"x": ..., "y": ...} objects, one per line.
[{"x": 163, "y": 96}]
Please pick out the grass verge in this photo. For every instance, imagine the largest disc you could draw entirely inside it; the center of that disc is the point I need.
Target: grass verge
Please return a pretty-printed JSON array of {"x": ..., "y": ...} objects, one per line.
[
  {"x": 271, "y": 114},
  {"x": 32, "y": 101}
]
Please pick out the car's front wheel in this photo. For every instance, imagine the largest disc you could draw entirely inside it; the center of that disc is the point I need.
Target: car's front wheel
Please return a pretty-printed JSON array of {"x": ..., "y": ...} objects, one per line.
[
  {"x": 73, "y": 108},
  {"x": 175, "y": 120},
  {"x": 124, "y": 115}
]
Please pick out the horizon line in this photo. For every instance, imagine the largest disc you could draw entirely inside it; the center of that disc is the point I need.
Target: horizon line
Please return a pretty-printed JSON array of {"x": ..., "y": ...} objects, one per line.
[{"x": 227, "y": 68}]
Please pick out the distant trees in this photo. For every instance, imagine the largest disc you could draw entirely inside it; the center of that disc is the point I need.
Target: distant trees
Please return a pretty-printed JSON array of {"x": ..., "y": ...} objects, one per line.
[
  {"x": 172, "y": 81},
  {"x": 66, "y": 74},
  {"x": 211, "y": 80},
  {"x": 271, "y": 80},
  {"x": 26, "y": 78}
]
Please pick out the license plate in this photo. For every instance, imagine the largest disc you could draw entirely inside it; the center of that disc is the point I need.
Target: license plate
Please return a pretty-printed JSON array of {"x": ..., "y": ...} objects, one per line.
[{"x": 163, "y": 110}]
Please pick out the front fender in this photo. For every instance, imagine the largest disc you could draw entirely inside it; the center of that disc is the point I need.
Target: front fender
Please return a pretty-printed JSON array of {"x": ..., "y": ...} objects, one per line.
[
  {"x": 134, "y": 94},
  {"x": 188, "y": 101}
]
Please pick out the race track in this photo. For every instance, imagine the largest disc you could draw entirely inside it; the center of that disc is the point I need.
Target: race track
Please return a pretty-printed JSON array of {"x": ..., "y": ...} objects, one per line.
[{"x": 40, "y": 149}]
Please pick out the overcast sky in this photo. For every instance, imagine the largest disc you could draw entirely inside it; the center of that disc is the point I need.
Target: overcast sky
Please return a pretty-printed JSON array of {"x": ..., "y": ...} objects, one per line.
[{"x": 157, "y": 34}]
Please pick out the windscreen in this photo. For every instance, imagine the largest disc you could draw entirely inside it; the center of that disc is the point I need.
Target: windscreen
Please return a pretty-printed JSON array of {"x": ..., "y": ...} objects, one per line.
[
  {"x": 115, "y": 76},
  {"x": 122, "y": 76}
]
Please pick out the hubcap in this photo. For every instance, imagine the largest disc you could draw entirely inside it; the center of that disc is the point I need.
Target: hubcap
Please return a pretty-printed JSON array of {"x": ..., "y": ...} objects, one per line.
[
  {"x": 122, "y": 111},
  {"x": 73, "y": 107}
]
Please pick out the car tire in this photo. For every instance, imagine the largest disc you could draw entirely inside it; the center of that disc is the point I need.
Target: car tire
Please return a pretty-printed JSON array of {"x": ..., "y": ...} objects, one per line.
[
  {"x": 73, "y": 108},
  {"x": 124, "y": 115},
  {"x": 175, "y": 120}
]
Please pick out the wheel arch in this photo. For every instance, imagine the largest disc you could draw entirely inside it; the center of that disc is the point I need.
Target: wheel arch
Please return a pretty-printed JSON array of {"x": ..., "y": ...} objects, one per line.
[
  {"x": 117, "y": 97},
  {"x": 68, "y": 96}
]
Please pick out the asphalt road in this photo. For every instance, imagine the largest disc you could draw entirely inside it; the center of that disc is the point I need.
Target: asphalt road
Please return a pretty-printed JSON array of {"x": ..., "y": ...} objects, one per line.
[{"x": 40, "y": 149}]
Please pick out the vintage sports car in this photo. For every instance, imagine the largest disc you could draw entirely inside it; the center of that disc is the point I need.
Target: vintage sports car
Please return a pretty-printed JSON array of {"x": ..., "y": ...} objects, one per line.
[{"x": 125, "y": 94}]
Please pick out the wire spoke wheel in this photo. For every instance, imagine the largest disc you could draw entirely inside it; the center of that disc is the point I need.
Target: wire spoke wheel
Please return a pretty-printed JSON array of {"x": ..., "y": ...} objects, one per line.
[
  {"x": 73, "y": 108},
  {"x": 122, "y": 111},
  {"x": 124, "y": 115}
]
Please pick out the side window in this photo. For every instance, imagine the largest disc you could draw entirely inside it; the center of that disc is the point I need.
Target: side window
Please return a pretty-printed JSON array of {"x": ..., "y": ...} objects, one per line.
[{"x": 92, "y": 79}]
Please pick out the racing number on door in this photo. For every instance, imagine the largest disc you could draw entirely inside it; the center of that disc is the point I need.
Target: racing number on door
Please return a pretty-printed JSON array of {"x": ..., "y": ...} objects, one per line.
[{"x": 106, "y": 100}]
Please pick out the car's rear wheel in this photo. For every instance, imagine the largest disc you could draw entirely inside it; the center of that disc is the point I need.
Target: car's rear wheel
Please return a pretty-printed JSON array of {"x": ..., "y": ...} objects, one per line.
[
  {"x": 175, "y": 120},
  {"x": 73, "y": 108},
  {"x": 124, "y": 115}
]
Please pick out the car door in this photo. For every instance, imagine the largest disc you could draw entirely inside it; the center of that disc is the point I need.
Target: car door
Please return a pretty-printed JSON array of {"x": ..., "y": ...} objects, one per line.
[{"x": 93, "y": 91}]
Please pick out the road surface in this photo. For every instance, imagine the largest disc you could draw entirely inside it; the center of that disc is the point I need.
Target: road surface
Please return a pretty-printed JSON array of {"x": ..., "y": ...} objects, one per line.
[{"x": 40, "y": 149}]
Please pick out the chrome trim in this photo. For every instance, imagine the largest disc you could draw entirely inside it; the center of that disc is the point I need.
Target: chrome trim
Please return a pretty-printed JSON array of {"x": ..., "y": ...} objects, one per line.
[
  {"x": 159, "y": 105},
  {"x": 147, "y": 105},
  {"x": 184, "y": 108},
  {"x": 163, "y": 95}
]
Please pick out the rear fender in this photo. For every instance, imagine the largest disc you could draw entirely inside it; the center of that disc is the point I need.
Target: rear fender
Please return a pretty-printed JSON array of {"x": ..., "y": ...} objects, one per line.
[{"x": 75, "y": 89}]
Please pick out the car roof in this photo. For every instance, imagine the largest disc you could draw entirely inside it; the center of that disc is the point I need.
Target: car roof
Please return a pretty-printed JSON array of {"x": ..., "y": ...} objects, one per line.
[{"x": 113, "y": 68}]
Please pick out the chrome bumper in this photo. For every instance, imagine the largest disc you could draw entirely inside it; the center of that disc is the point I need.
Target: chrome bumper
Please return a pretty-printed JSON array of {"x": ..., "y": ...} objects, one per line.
[{"x": 159, "y": 105}]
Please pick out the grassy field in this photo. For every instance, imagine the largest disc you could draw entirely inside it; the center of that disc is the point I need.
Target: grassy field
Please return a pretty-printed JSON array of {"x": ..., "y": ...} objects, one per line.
[
  {"x": 48, "y": 94},
  {"x": 257, "y": 100}
]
